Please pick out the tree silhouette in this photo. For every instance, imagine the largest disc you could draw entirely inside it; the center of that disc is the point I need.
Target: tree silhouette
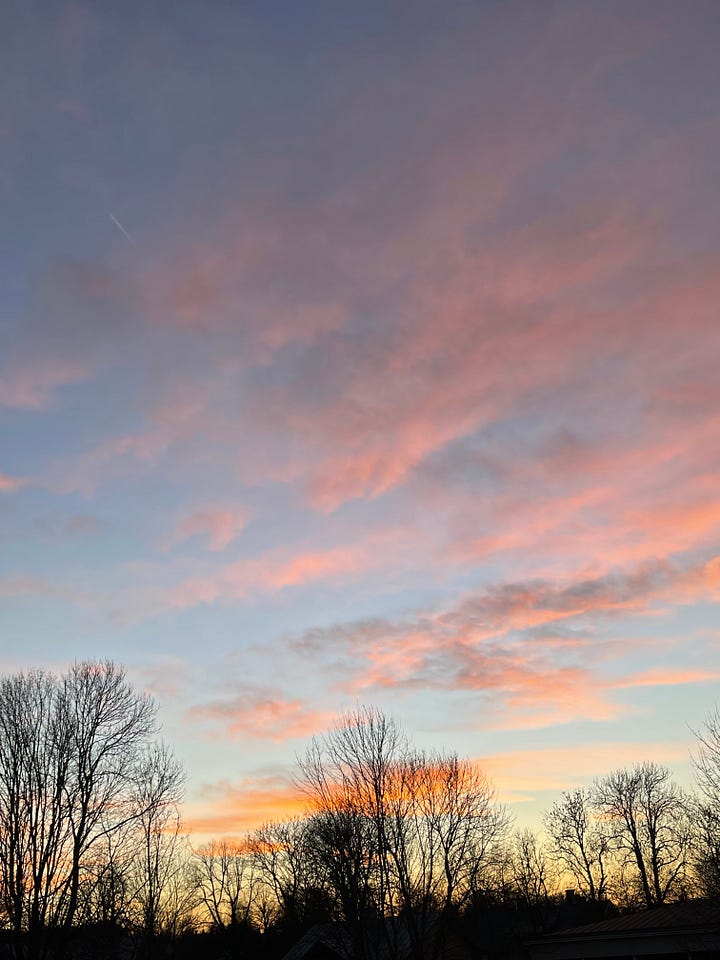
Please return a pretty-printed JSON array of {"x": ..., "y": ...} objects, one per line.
[
  {"x": 72, "y": 781},
  {"x": 651, "y": 828}
]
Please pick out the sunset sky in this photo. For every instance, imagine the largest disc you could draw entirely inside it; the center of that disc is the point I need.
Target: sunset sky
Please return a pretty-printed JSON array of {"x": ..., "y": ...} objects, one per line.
[{"x": 367, "y": 353}]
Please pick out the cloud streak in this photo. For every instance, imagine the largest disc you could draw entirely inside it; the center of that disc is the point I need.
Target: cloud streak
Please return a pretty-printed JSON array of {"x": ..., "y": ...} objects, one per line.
[
  {"x": 230, "y": 809},
  {"x": 261, "y": 713},
  {"x": 32, "y": 384},
  {"x": 540, "y": 650},
  {"x": 11, "y": 484},
  {"x": 218, "y": 525}
]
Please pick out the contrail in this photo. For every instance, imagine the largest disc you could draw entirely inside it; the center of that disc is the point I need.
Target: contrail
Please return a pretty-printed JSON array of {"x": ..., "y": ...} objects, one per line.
[{"x": 120, "y": 227}]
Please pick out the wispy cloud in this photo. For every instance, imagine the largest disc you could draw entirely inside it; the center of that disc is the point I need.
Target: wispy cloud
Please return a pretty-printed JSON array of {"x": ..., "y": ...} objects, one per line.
[
  {"x": 667, "y": 677},
  {"x": 521, "y": 774},
  {"x": 267, "y": 574},
  {"x": 261, "y": 713},
  {"x": 217, "y": 524},
  {"x": 32, "y": 384},
  {"x": 24, "y": 585},
  {"x": 231, "y": 808},
  {"x": 418, "y": 340},
  {"x": 11, "y": 484},
  {"x": 540, "y": 650}
]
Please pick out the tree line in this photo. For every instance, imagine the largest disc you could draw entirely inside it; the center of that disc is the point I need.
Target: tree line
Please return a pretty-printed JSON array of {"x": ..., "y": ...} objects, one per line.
[{"x": 397, "y": 844}]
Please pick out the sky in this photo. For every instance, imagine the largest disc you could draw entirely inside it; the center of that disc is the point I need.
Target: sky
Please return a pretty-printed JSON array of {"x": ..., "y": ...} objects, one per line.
[{"x": 367, "y": 353}]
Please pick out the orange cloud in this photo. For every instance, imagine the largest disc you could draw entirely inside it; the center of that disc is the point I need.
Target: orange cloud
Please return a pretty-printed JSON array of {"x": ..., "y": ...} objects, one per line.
[
  {"x": 521, "y": 774},
  {"x": 232, "y": 809},
  {"x": 666, "y": 677},
  {"x": 11, "y": 484}
]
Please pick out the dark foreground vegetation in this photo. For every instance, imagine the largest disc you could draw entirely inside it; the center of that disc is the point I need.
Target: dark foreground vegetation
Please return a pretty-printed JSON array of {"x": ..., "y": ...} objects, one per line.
[{"x": 400, "y": 852}]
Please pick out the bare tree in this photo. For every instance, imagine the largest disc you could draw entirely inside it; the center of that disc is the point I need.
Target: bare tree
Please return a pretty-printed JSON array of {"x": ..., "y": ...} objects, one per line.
[
  {"x": 580, "y": 842},
  {"x": 108, "y": 723},
  {"x": 648, "y": 817},
  {"x": 400, "y": 833},
  {"x": 447, "y": 825},
  {"x": 69, "y": 749},
  {"x": 35, "y": 829},
  {"x": 707, "y": 758},
  {"x": 179, "y": 900},
  {"x": 106, "y": 887},
  {"x": 158, "y": 787},
  {"x": 707, "y": 849},
  {"x": 463, "y": 814},
  {"x": 532, "y": 875},
  {"x": 226, "y": 880},
  {"x": 286, "y": 863},
  {"x": 707, "y": 811},
  {"x": 346, "y": 850},
  {"x": 348, "y": 775}
]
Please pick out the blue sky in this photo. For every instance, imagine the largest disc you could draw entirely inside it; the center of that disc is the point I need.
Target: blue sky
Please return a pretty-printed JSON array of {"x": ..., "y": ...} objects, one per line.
[{"x": 366, "y": 354}]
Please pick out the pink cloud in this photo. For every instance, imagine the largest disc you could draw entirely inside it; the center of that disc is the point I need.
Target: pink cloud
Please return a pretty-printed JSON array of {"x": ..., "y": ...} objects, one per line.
[
  {"x": 461, "y": 334},
  {"x": 177, "y": 418},
  {"x": 274, "y": 571},
  {"x": 219, "y": 525},
  {"x": 166, "y": 678},
  {"x": 200, "y": 292},
  {"x": 57, "y": 588},
  {"x": 434, "y": 376},
  {"x": 32, "y": 384},
  {"x": 262, "y": 714},
  {"x": 187, "y": 581},
  {"x": 448, "y": 322},
  {"x": 494, "y": 643},
  {"x": 572, "y": 504},
  {"x": 319, "y": 565}
]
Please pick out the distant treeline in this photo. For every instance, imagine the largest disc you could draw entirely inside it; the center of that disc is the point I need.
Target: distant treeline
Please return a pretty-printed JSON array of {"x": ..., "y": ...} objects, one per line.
[{"x": 93, "y": 857}]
